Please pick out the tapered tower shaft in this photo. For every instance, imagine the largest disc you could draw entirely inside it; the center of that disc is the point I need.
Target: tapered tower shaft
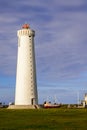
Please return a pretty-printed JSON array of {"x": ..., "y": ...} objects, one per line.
[{"x": 26, "y": 87}]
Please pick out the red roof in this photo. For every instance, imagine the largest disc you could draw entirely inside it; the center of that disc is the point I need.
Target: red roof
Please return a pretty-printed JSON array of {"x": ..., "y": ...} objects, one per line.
[{"x": 25, "y": 26}]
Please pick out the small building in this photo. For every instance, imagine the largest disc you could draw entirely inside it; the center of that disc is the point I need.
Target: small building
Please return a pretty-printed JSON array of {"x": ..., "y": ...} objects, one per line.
[
  {"x": 86, "y": 98},
  {"x": 84, "y": 102}
]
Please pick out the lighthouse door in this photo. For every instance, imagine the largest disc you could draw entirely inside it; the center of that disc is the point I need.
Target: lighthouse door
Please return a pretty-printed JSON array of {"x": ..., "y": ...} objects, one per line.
[{"x": 32, "y": 101}]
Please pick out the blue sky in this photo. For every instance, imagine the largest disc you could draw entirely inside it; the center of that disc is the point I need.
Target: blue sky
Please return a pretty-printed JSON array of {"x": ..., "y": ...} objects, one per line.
[{"x": 60, "y": 47}]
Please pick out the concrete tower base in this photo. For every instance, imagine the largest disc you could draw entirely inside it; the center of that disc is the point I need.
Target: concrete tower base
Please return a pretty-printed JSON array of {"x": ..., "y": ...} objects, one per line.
[{"x": 23, "y": 107}]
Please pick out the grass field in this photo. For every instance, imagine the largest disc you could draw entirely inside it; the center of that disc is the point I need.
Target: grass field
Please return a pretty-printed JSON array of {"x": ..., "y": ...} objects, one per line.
[{"x": 43, "y": 119}]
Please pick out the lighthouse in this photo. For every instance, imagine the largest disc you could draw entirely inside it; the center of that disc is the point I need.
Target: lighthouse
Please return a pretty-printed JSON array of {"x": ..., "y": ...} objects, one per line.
[{"x": 26, "y": 86}]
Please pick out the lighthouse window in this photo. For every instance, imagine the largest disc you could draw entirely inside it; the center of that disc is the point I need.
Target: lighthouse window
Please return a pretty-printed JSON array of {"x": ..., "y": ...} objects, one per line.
[
  {"x": 31, "y": 81},
  {"x": 31, "y": 89},
  {"x": 31, "y": 66},
  {"x": 31, "y": 93}
]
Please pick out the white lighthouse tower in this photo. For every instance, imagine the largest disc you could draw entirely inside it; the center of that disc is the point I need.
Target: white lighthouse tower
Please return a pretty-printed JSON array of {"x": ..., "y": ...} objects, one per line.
[{"x": 26, "y": 87}]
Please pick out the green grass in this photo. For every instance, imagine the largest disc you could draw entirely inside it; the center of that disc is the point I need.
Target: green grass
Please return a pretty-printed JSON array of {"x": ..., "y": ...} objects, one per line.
[{"x": 43, "y": 119}]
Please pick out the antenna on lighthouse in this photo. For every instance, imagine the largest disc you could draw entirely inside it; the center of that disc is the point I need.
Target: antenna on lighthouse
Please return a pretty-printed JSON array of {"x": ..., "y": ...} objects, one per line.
[{"x": 78, "y": 100}]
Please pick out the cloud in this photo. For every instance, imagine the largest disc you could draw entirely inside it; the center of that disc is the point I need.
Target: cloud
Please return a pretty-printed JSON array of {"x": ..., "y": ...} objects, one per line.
[
  {"x": 66, "y": 49},
  {"x": 61, "y": 37}
]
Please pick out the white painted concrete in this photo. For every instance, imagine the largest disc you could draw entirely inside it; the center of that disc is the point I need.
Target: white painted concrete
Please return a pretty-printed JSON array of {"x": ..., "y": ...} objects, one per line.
[{"x": 26, "y": 87}]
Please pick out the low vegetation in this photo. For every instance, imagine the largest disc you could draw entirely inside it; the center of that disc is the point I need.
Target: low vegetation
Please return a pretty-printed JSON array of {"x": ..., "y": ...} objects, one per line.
[{"x": 43, "y": 119}]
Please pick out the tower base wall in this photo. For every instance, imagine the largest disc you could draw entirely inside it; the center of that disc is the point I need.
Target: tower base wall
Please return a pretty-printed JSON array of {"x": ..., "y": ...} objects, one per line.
[{"x": 23, "y": 107}]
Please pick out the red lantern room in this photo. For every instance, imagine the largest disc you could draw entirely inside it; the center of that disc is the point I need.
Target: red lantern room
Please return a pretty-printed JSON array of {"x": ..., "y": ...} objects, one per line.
[{"x": 25, "y": 26}]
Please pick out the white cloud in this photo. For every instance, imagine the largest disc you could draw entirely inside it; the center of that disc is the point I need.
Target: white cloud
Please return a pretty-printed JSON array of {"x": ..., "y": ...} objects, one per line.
[{"x": 65, "y": 53}]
